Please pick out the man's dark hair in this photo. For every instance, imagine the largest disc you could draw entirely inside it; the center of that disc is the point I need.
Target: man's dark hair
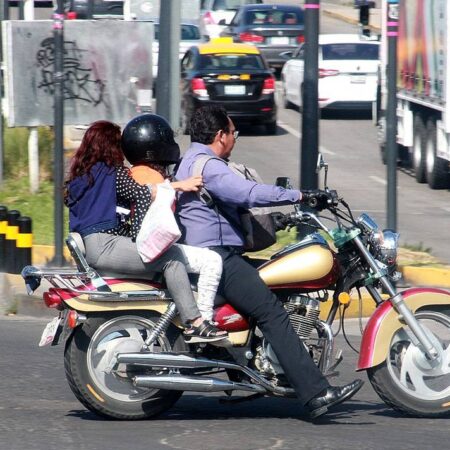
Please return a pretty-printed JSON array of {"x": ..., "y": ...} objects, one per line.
[{"x": 206, "y": 122}]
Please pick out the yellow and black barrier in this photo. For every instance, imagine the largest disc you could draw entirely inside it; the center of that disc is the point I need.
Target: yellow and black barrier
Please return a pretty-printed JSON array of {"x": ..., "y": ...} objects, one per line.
[{"x": 16, "y": 240}]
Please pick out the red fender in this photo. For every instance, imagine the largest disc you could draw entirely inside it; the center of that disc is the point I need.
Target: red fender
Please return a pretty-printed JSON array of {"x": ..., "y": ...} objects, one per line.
[{"x": 384, "y": 323}]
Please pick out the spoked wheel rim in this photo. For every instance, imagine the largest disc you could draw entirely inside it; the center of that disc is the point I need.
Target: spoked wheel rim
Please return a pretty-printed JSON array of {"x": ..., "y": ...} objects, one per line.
[
  {"x": 409, "y": 368},
  {"x": 125, "y": 334}
]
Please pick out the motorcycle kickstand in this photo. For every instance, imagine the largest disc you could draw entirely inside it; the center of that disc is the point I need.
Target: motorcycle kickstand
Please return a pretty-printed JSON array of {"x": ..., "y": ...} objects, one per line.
[{"x": 232, "y": 401}]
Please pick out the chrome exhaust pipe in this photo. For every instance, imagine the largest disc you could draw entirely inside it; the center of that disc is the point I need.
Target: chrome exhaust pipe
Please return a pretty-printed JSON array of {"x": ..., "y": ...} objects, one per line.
[
  {"x": 170, "y": 360},
  {"x": 182, "y": 361},
  {"x": 193, "y": 383}
]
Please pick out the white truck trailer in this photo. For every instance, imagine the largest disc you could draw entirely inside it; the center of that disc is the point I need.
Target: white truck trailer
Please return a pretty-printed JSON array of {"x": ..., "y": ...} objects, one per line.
[{"x": 423, "y": 92}]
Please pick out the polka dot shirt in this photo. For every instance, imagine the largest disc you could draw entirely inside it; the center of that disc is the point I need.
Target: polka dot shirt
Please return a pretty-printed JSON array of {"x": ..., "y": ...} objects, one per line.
[{"x": 130, "y": 195}]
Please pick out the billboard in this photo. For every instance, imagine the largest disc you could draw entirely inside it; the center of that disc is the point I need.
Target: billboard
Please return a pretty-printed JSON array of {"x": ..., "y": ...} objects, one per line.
[{"x": 107, "y": 71}]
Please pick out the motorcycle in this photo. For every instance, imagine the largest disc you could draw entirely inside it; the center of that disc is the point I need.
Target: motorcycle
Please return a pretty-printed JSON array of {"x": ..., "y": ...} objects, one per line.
[{"x": 125, "y": 357}]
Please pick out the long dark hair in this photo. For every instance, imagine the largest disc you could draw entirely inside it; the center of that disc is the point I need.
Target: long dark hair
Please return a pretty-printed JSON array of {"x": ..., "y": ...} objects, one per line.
[{"x": 100, "y": 143}]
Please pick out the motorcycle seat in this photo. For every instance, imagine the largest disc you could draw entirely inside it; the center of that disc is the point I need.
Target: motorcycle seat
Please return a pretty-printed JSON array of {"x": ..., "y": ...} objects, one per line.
[{"x": 77, "y": 249}]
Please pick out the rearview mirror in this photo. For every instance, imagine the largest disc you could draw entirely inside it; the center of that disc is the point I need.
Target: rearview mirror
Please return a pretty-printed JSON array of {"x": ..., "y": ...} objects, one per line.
[
  {"x": 223, "y": 22},
  {"x": 321, "y": 164},
  {"x": 284, "y": 182}
]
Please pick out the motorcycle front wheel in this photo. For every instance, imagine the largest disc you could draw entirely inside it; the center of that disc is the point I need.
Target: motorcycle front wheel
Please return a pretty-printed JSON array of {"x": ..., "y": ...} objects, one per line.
[
  {"x": 108, "y": 390},
  {"x": 407, "y": 381}
]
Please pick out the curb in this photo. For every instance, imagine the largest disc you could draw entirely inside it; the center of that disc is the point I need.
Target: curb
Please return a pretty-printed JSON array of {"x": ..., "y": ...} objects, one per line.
[{"x": 346, "y": 17}]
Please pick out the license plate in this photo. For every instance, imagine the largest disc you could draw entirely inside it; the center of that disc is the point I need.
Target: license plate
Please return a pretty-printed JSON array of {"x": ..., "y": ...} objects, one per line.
[
  {"x": 49, "y": 332},
  {"x": 279, "y": 40},
  {"x": 236, "y": 89},
  {"x": 358, "y": 79}
]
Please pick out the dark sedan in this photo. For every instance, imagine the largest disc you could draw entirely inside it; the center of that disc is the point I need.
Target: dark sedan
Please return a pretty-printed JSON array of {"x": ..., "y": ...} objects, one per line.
[
  {"x": 233, "y": 75},
  {"x": 274, "y": 29}
]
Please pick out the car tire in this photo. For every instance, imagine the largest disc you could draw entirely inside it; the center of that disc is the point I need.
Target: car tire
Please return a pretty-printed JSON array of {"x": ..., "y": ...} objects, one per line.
[{"x": 271, "y": 128}]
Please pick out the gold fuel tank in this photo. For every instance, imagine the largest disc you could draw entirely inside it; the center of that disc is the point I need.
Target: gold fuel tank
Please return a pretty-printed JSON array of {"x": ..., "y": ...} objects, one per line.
[{"x": 308, "y": 264}]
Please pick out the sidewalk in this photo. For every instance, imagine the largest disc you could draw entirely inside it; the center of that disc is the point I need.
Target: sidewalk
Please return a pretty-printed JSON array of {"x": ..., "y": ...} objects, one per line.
[{"x": 347, "y": 13}]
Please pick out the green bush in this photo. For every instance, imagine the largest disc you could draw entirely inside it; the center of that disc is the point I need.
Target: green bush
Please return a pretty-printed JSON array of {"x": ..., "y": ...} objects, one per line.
[{"x": 15, "y": 144}]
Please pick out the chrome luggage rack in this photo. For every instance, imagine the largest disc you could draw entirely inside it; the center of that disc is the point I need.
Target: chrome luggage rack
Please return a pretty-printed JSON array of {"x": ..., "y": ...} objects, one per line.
[{"x": 81, "y": 281}]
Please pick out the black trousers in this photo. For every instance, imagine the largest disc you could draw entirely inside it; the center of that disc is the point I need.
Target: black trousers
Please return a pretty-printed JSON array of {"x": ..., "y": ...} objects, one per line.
[{"x": 243, "y": 288}]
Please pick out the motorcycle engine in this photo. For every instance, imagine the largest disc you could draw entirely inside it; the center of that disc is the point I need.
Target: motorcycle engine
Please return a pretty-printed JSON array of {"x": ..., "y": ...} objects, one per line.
[{"x": 303, "y": 313}]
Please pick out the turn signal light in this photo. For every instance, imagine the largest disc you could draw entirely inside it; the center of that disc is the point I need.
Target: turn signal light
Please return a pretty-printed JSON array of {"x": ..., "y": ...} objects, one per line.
[
  {"x": 269, "y": 85},
  {"x": 344, "y": 298},
  {"x": 328, "y": 73},
  {"x": 74, "y": 318},
  {"x": 300, "y": 38},
  {"x": 198, "y": 87},
  {"x": 208, "y": 19},
  {"x": 250, "y": 37}
]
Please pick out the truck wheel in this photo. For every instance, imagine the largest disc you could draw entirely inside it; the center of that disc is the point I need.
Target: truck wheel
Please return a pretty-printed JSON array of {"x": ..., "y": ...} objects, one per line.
[
  {"x": 437, "y": 168},
  {"x": 418, "y": 150}
]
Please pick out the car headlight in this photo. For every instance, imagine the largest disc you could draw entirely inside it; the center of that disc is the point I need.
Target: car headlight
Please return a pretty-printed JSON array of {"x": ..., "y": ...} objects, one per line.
[{"x": 384, "y": 247}]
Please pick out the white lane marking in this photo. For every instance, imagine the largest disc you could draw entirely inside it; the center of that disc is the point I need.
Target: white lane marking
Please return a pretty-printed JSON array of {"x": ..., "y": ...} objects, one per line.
[
  {"x": 298, "y": 135},
  {"x": 289, "y": 129},
  {"x": 325, "y": 151},
  {"x": 378, "y": 180},
  {"x": 445, "y": 208}
]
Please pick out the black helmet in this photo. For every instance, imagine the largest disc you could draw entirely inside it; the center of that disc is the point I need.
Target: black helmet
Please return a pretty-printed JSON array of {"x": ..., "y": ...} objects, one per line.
[{"x": 148, "y": 138}]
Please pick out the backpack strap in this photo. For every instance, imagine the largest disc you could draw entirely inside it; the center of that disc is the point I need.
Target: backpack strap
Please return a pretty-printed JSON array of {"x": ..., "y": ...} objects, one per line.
[{"x": 197, "y": 169}]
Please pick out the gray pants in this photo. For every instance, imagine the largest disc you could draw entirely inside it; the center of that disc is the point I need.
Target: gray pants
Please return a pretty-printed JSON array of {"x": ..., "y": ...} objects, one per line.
[{"x": 108, "y": 253}]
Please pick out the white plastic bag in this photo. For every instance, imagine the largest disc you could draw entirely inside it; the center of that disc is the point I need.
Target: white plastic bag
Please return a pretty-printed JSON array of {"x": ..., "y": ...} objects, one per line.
[{"x": 159, "y": 229}]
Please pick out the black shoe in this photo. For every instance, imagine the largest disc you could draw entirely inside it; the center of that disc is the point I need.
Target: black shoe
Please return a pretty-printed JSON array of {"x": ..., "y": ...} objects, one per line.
[
  {"x": 332, "y": 396},
  {"x": 205, "y": 332}
]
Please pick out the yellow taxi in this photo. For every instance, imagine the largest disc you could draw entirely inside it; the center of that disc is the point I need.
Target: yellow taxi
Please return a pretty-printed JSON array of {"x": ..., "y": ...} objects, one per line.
[{"x": 233, "y": 75}]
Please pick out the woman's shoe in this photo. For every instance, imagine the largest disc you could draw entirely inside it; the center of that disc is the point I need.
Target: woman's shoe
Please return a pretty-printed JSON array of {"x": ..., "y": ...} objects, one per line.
[{"x": 205, "y": 332}]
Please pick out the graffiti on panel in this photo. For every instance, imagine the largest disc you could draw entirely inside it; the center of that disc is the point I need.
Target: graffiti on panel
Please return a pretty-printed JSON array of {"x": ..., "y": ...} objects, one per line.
[{"x": 80, "y": 80}]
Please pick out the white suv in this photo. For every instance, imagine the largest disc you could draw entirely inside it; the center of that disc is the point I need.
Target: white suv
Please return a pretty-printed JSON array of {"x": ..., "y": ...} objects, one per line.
[{"x": 223, "y": 11}]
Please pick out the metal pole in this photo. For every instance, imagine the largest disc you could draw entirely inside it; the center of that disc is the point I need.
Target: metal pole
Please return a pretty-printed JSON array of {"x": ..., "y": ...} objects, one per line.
[
  {"x": 310, "y": 114},
  {"x": 58, "y": 34},
  {"x": 4, "y": 15},
  {"x": 167, "y": 84},
  {"x": 391, "y": 113},
  {"x": 309, "y": 147}
]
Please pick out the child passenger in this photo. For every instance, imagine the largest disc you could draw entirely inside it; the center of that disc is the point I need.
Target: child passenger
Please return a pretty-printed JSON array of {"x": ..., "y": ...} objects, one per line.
[{"x": 148, "y": 144}]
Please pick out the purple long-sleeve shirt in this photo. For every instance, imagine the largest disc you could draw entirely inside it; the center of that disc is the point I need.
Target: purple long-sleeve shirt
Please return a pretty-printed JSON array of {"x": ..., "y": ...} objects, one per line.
[{"x": 202, "y": 226}]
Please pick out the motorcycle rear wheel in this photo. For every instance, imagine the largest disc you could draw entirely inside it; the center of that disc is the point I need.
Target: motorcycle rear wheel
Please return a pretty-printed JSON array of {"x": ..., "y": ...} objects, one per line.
[
  {"x": 108, "y": 393},
  {"x": 406, "y": 381}
]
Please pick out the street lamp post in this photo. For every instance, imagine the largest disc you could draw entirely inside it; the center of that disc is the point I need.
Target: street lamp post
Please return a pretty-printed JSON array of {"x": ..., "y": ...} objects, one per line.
[{"x": 58, "y": 78}]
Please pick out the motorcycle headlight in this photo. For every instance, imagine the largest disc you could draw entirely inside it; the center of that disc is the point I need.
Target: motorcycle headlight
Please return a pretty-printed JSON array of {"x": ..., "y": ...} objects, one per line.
[{"x": 384, "y": 247}]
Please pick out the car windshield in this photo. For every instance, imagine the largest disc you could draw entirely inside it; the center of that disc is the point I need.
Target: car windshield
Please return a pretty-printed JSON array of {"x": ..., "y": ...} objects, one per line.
[
  {"x": 273, "y": 17},
  {"x": 188, "y": 32},
  {"x": 350, "y": 51},
  {"x": 231, "y": 62}
]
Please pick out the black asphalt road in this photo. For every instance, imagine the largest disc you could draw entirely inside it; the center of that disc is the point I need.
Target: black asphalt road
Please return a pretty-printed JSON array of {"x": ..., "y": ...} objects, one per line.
[{"x": 39, "y": 412}]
